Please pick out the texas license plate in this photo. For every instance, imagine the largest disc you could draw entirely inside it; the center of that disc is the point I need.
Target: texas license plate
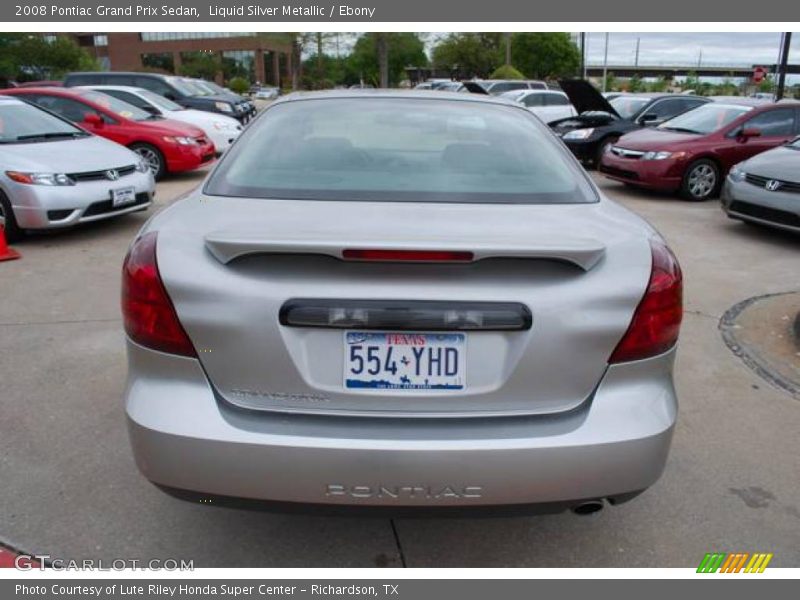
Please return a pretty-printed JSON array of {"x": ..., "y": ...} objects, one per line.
[
  {"x": 123, "y": 196},
  {"x": 385, "y": 360}
]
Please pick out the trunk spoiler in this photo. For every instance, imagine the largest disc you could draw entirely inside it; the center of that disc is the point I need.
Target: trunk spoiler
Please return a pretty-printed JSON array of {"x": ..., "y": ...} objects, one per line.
[{"x": 582, "y": 252}]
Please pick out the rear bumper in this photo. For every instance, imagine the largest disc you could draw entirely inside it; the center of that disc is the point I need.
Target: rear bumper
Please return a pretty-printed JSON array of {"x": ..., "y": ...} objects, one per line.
[{"x": 184, "y": 437}]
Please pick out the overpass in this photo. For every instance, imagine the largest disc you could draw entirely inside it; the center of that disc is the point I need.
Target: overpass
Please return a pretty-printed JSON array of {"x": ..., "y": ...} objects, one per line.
[{"x": 670, "y": 71}]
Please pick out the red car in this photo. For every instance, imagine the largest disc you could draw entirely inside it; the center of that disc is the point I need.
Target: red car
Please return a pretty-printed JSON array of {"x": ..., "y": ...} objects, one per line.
[
  {"x": 694, "y": 151},
  {"x": 167, "y": 146}
]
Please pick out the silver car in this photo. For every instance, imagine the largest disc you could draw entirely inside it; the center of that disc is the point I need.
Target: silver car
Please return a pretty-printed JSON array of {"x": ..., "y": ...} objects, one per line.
[
  {"x": 765, "y": 189},
  {"x": 55, "y": 175},
  {"x": 400, "y": 301}
]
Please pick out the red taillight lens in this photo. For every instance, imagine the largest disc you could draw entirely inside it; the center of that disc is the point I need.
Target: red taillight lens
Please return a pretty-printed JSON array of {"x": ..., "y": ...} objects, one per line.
[
  {"x": 657, "y": 320},
  {"x": 150, "y": 318},
  {"x": 407, "y": 255}
]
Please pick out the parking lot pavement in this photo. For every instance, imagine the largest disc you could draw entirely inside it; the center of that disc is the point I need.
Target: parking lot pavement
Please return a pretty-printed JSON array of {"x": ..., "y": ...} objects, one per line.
[{"x": 69, "y": 488}]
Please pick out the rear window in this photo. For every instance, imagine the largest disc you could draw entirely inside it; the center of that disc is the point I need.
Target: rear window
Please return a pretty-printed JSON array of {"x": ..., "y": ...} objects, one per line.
[{"x": 400, "y": 149}]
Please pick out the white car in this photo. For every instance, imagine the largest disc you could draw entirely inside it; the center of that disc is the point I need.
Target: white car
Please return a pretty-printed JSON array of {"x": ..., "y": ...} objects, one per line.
[
  {"x": 548, "y": 105},
  {"x": 266, "y": 93},
  {"x": 220, "y": 129}
]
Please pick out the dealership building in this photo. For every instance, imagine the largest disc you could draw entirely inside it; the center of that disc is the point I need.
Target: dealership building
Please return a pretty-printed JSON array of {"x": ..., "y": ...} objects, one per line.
[{"x": 262, "y": 57}]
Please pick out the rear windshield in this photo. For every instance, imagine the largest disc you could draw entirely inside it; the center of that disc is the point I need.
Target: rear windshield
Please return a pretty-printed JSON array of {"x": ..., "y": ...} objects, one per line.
[
  {"x": 705, "y": 119},
  {"x": 400, "y": 149}
]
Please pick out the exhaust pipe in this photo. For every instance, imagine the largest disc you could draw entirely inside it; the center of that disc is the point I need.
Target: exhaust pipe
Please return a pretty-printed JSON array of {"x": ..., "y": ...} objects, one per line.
[{"x": 588, "y": 508}]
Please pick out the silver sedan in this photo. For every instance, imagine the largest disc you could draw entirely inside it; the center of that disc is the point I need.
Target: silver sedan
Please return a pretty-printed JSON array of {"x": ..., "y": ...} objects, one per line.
[
  {"x": 400, "y": 301},
  {"x": 765, "y": 189}
]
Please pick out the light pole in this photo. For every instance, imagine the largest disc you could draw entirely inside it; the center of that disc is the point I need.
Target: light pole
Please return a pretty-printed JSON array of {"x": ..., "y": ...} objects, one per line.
[
  {"x": 605, "y": 66},
  {"x": 787, "y": 42}
]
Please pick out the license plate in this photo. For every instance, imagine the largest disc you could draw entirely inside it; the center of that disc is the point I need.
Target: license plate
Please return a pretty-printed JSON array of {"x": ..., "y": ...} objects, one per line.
[
  {"x": 123, "y": 196},
  {"x": 385, "y": 360}
]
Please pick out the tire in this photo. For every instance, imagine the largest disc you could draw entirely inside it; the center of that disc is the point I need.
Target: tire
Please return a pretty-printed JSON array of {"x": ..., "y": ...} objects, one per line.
[
  {"x": 701, "y": 180},
  {"x": 601, "y": 149},
  {"x": 153, "y": 157},
  {"x": 12, "y": 230}
]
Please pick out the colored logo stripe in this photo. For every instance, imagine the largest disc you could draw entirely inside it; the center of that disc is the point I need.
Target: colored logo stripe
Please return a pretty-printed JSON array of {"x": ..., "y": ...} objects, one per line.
[{"x": 734, "y": 562}]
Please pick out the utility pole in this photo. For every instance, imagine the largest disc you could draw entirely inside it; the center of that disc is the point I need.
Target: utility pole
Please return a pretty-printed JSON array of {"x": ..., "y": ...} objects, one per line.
[
  {"x": 787, "y": 41},
  {"x": 636, "y": 59},
  {"x": 605, "y": 66},
  {"x": 508, "y": 48},
  {"x": 583, "y": 54}
]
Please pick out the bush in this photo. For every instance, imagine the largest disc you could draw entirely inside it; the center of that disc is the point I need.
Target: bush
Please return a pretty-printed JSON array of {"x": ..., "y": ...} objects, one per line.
[
  {"x": 506, "y": 72},
  {"x": 239, "y": 85}
]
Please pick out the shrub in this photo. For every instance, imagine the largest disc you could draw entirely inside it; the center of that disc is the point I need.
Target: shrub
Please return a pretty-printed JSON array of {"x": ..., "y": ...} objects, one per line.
[
  {"x": 506, "y": 72},
  {"x": 239, "y": 85}
]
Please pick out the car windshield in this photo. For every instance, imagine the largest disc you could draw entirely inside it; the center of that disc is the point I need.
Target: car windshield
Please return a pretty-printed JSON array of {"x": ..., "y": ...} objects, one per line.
[
  {"x": 159, "y": 100},
  {"x": 705, "y": 119},
  {"x": 627, "y": 106},
  {"x": 400, "y": 149},
  {"x": 182, "y": 86},
  {"x": 196, "y": 88},
  {"x": 26, "y": 123},
  {"x": 117, "y": 106}
]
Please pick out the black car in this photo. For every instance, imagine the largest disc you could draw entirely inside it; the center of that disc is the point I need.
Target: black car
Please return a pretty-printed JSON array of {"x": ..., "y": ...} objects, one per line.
[
  {"x": 169, "y": 86},
  {"x": 601, "y": 122}
]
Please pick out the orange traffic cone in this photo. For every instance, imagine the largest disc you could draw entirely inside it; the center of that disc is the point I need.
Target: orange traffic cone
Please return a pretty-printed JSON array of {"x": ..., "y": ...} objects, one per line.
[{"x": 6, "y": 253}]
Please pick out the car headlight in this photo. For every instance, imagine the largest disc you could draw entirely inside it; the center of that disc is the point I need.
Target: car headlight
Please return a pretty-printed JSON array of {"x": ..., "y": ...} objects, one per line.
[
  {"x": 181, "y": 140},
  {"x": 223, "y": 106},
  {"x": 578, "y": 134},
  {"x": 142, "y": 166},
  {"x": 40, "y": 178},
  {"x": 736, "y": 173},
  {"x": 654, "y": 155}
]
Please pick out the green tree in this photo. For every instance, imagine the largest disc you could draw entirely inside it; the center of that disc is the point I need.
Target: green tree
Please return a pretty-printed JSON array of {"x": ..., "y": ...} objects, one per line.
[
  {"x": 403, "y": 49},
  {"x": 545, "y": 55},
  {"x": 506, "y": 72},
  {"x": 322, "y": 72},
  {"x": 612, "y": 84},
  {"x": 635, "y": 84},
  {"x": 203, "y": 65},
  {"x": 240, "y": 85},
  {"x": 659, "y": 85},
  {"x": 470, "y": 54},
  {"x": 28, "y": 57}
]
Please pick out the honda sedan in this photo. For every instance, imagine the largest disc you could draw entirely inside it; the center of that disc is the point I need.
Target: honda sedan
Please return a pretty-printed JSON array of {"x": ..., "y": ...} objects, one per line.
[{"x": 400, "y": 300}]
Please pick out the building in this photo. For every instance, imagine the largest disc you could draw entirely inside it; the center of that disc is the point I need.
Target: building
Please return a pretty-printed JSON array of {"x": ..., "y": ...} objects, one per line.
[{"x": 262, "y": 57}]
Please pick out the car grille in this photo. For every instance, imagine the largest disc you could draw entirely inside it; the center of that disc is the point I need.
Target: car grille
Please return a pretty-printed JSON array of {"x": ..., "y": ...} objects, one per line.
[
  {"x": 101, "y": 175},
  {"x": 615, "y": 172},
  {"x": 785, "y": 186},
  {"x": 105, "y": 206},
  {"x": 774, "y": 215},
  {"x": 625, "y": 153}
]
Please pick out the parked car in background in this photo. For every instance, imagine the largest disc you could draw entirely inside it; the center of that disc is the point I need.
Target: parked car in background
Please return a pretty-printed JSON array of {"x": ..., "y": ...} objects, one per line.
[
  {"x": 600, "y": 122},
  {"x": 169, "y": 86},
  {"x": 693, "y": 152},
  {"x": 55, "y": 175},
  {"x": 432, "y": 84},
  {"x": 452, "y": 86},
  {"x": 495, "y": 87},
  {"x": 210, "y": 88},
  {"x": 381, "y": 340},
  {"x": 266, "y": 93},
  {"x": 167, "y": 146},
  {"x": 221, "y": 130},
  {"x": 548, "y": 105},
  {"x": 765, "y": 189},
  {"x": 43, "y": 83}
]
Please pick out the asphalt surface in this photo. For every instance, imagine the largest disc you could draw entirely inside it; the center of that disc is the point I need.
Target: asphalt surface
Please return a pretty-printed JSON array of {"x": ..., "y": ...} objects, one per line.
[{"x": 69, "y": 488}]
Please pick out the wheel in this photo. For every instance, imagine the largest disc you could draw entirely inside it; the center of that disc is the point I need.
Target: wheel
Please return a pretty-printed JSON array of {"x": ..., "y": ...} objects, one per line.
[
  {"x": 9, "y": 221},
  {"x": 153, "y": 157},
  {"x": 701, "y": 180},
  {"x": 605, "y": 144}
]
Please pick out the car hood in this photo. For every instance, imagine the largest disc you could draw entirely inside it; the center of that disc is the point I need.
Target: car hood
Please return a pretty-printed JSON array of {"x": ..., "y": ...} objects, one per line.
[
  {"x": 172, "y": 127},
  {"x": 66, "y": 156},
  {"x": 202, "y": 119},
  {"x": 655, "y": 139},
  {"x": 585, "y": 97},
  {"x": 230, "y": 99},
  {"x": 778, "y": 163}
]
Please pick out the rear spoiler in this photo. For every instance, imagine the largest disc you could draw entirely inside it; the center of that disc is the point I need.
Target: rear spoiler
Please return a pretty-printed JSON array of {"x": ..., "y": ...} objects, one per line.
[{"x": 582, "y": 252}]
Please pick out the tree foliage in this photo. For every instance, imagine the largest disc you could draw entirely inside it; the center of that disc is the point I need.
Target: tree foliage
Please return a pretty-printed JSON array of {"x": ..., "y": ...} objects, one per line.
[
  {"x": 470, "y": 54},
  {"x": 30, "y": 57},
  {"x": 545, "y": 55},
  {"x": 404, "y": 50},
  {"x": 506, "y": 72}
]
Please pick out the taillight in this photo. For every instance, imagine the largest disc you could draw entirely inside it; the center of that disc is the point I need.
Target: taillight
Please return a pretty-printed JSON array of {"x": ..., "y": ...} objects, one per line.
[
  {"x": 657, "y": 320},
  {"x": 147, "y": 311},
  {"x": 370, "y": 254}
]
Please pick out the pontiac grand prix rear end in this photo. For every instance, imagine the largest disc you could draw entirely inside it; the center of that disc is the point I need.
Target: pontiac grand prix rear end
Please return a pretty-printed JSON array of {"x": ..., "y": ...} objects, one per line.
[{"x": 403, "y": 301}]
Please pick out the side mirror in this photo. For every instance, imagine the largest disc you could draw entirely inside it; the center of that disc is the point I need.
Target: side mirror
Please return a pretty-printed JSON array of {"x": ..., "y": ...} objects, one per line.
[
  {"x": 648, "y": 118},
  {"x": 749, "y": 132},
  {"x": 93, "y": 119}
]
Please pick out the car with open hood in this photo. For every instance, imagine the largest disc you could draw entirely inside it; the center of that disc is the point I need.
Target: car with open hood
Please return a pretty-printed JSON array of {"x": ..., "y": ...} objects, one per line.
[
  {"x": 55, "y": 175},
  {"x": 400, "y": 300},
  {"x": 693, "y": 152},
  {"x": 765, "y": 189},
  {"x": 168, "y": 146},
  {"x": 601, "y": 122}
]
